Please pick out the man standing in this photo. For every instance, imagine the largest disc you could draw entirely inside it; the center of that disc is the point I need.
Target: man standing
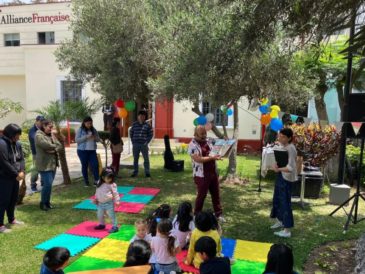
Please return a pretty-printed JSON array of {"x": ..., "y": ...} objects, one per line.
[
  {"x": 141, "y": 135},
  {"x": 31, "y": 135}
]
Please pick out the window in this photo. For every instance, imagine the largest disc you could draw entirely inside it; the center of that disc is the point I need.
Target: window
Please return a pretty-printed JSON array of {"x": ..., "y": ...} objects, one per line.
[
  {"x": 71, "y": 91},
  {"x": 12, "y": 40},
  {"x": 219, "y": 118},
  {"x": 46, "y": 38}
]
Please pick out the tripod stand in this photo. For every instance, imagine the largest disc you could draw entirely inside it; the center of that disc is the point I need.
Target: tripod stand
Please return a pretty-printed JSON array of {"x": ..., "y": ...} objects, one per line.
[{"x": 353, "y": 214}]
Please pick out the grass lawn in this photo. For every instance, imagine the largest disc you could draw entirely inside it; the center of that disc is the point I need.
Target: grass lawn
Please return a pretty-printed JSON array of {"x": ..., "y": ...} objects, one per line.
[{"x": 245, "y": 209}]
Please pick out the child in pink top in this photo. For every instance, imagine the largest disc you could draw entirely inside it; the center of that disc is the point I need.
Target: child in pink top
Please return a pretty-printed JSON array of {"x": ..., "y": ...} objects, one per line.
[{"x": 105, "y": 197}]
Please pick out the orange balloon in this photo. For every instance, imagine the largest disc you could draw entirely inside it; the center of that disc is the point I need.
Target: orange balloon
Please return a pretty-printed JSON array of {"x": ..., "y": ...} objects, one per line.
[
  {"x": 265, "y": 119},
  {"x": 123, "y": 113}
]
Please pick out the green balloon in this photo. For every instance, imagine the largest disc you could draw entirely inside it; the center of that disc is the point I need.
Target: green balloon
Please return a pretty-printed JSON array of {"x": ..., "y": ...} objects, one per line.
[
  {"x": 130, "y": 106},
  {"x": 195, "y": 122}
]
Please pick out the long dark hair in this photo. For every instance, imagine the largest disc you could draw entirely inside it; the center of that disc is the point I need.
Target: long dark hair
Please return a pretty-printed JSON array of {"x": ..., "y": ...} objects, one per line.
[
  {"x": 11, "y": 130},
  {"x": 279, "y": 260},
  {"x": 139, "y": 253},
  {"x": 106, "y": 173},
  {"x": 164, "y": 227},
  {"x": 87, "y": 119},
  {"x": 184, "y": 216},
  {"x": 162, "y": 212}
]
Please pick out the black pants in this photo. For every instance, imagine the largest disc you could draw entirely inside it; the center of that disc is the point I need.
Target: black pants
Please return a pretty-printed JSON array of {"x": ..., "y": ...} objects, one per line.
[{"x": 9, "y": 190}]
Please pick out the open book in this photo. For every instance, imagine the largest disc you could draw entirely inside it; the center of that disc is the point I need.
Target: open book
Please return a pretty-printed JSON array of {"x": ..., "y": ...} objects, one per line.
[
  {"x": 281, "y": 157},
  {"x": 222, "y": 147}
]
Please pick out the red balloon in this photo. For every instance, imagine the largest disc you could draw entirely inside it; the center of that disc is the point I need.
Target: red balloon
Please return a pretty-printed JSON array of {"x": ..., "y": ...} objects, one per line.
[{"x": 119, "y": 103}]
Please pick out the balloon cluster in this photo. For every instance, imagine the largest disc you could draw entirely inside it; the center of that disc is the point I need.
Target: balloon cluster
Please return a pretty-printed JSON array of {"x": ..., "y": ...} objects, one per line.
[
  {"x": 124, "y": 107},
  {"x": 270, "y": 115},
  {"x": 207, "y": 120}
]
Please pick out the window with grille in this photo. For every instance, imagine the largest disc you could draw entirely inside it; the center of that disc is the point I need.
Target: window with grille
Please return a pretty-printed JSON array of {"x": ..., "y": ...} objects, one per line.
[
  {"x": 71, "y": 91},
  {"x": 11, "y": 40},
  {"x": 219, "y": 118},
  {"x": 46, "y": 38}
]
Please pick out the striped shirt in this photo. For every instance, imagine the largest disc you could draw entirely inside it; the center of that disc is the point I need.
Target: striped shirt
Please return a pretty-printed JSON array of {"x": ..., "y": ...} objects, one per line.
[{"x": 141, "y": 133}]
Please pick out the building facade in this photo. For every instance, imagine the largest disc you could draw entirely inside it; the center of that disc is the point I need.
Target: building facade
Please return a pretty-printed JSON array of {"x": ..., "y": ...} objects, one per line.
[{"x": 29, "y": 74}]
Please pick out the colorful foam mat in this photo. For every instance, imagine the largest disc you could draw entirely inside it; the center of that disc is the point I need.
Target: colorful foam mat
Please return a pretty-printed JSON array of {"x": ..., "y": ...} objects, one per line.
[{"x": 132, "y": 199}]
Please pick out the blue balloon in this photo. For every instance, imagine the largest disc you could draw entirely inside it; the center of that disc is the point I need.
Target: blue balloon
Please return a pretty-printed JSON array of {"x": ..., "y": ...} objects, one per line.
[
  {"x": 264, "y": 109},
  {"x": 202, "y": 120},
  {"x": 276, "y": 124},
  {"x": 229, "y": 112}
]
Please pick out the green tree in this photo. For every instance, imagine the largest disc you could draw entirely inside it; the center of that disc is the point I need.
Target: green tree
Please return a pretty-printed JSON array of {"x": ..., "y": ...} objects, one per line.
[
  {"x": 7, "y": 106},
  {"x": 58, "y": 113},
  {"x": 113, "y": 46}
]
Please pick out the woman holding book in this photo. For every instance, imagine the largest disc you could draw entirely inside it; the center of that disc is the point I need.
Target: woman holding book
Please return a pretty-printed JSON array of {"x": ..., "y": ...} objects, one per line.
[
  {"x": 286, "y": 174},
  {"x": 205, "y": 171}
]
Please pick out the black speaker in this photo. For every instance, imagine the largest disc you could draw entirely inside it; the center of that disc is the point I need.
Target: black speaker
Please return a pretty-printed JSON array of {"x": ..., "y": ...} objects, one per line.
[{"x": 357, "y": 107}]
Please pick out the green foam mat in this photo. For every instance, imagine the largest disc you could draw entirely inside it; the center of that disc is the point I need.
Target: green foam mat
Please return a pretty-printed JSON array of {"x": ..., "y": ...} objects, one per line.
[
  {"x": 88, "y": 263},
  {"x": 242, "y": 266},
  {"x": 136, "y": 198},
  {"x": 125, "y": 233}
]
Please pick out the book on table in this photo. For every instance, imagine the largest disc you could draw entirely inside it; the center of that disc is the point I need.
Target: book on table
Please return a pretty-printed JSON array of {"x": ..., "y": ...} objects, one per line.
[
  {"x": 222, "y": 147},
  {"x": 281, "y": 157}
]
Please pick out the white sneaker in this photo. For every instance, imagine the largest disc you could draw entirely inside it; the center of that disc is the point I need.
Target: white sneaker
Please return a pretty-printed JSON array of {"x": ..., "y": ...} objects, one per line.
[
  {"x": 4, "y": 229},
  {"x": 16, "y": 222},
  {"x": 221, "y": 219},
  {"x": 277, "y": 225},
  {"x": 283, "y": 234}
]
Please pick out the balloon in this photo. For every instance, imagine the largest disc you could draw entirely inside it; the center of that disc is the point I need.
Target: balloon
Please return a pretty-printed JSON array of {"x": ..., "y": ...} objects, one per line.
[
  {"x": 208, "y": 126},
  {"x": 264, "y": 109},
  {"x": 229, "y": 112},
  {"x": 224, "y": 108},
  {"x": 293, "y": 118},
  {"x": 119, "y": 103},
  {"x": 130, "y": 105},
  {"x": 275, "y": 107},
  {"x": 123, "y": 113},
  {"x": 274, "y": 114},
  {"x": 202, "y": 120},
  {"x": 264, "y": 101},
  {"x": 276, "y": 124},
  {"x": 265, "y": 119},
  {"x": 195, "y": 122},
  {"x": 210, "y": 117}
]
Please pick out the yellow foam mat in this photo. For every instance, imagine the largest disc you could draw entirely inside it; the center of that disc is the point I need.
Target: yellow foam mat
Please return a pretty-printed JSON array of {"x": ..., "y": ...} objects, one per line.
[
  {"x": 109, "y": 249},
  {"x": 251, "y": 251}
]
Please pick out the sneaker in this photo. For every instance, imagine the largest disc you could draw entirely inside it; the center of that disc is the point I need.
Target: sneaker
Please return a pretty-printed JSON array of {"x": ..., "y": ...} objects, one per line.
[
  {"x": 113, "y": 229},
  {"x": 16, "y": 222},
  {"x": 283, "y": 234},
  {"x": 277, "y": 225},
  {"x": 4, "y": 229},
  {"x": 35, "y": 190},
  {"x": 50, "y": 206},
  {"x": 99, "y": 227},
  {"x": 133, "y": 175},
  {"x": 43, "y": 207},
  {"x": 221, "y": 219}
]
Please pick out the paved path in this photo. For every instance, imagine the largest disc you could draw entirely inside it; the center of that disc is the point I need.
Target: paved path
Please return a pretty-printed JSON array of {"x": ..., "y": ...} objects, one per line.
[{"x": 74, "y": 164}]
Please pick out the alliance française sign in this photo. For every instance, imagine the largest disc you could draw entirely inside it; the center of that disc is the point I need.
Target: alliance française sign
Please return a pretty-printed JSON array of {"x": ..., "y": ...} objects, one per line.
[{"x": 34, "y": 18}]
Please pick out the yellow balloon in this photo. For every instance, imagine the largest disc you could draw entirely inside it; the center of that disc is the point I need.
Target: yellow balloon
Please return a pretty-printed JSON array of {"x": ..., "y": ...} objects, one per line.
[
  {"x": 274, "y": 114},
  {"x": 264, "y": 101},
  {"x": 275, "y": 107}
]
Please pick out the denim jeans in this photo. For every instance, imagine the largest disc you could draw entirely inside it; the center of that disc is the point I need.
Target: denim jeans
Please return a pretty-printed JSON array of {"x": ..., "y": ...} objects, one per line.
[
  {"x": 47, "y": 178},
  {"x": 137, "y": 148},
  {"x": 88, "y": 157},
  {"x": 107, "y": 207},
  {"x": 166, "y": 268}
]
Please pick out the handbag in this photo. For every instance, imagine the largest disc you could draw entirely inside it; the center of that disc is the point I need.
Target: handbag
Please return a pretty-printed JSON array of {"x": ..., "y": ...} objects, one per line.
[{"x": 116, "y": 149}]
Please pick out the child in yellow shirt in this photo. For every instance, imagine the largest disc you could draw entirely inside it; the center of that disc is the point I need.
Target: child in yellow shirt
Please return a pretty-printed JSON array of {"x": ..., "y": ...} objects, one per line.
[{"x": 204, "y": 227}]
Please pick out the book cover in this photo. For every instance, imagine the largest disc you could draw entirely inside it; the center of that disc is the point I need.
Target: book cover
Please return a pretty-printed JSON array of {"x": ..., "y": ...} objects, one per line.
[
  {"x": 222, "y": 147},
  {"x": 281, "y": 157}
]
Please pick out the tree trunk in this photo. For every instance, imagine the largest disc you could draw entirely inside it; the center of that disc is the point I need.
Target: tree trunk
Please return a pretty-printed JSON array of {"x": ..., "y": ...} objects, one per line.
[
  {"x": 232, "y": 165},
  {"x": 321, "y": 108}
]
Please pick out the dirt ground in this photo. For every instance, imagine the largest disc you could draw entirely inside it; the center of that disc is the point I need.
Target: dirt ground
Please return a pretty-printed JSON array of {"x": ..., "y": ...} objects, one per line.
[{"x": 332, "y": 258}]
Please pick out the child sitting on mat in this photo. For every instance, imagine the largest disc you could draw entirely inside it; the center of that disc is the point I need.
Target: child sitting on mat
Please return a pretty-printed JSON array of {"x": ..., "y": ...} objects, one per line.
[
  {"x": 105, "y": 197},
  {"x": 183, "y": 224},
  {"x": 205, "y": 226},
  {"x": 55, "y": 260},
  {"x": 141, "y": 229},
  {"x": 165, "y": 247}
]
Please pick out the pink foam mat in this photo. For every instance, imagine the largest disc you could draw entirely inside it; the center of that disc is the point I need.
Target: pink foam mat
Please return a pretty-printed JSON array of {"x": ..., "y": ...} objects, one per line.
[
  {"x": 186, "y": 268},
  {"x": 145, "y": 191},
  {"x": 87, "y": 229},
  {"x": 129, "y": 207}
]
